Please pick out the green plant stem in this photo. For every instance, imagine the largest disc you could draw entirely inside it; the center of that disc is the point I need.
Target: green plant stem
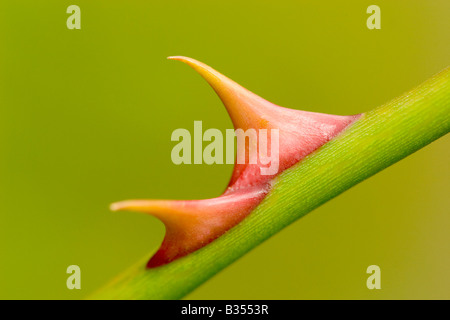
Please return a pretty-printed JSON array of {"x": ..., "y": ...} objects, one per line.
[{"x": 378, "y": 139}]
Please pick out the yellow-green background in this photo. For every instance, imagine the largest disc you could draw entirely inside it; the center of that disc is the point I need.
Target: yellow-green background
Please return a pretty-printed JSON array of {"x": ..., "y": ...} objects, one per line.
[{"x": 86, "y": 117}]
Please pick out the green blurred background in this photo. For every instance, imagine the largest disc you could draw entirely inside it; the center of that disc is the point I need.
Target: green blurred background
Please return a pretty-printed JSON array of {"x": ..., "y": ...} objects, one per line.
[{"x": 86, "y": 117}]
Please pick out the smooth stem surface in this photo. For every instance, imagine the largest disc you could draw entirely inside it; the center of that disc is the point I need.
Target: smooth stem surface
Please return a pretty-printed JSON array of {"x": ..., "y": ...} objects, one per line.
[{"x": 378, "y": 139}]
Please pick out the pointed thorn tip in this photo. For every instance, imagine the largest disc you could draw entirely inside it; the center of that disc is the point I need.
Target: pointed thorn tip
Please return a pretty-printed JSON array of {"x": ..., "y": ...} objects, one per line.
[
  {"x": 179, "y": 58},
  {"x": 114, "y": 206}
]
